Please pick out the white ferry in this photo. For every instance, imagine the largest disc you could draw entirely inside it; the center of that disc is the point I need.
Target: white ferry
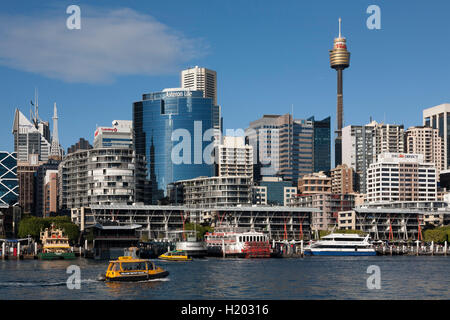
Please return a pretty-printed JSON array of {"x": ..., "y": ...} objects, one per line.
[
  {"x": 341, "y": 244},
  {"x": 237, "y": 242}
]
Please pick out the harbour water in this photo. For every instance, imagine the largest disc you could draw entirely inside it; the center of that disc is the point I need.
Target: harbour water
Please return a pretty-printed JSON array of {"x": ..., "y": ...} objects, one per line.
[{"x": 402, "y": 277}]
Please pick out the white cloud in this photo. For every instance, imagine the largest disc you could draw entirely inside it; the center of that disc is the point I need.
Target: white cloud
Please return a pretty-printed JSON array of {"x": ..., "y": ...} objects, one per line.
[{"x": 110, "y": 43}]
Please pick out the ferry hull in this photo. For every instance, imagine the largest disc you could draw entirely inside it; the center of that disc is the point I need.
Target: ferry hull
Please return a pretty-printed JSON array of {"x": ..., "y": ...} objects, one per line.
[
  {"x": 56, "y": 256},
  {"x": 133, "y": 278},
  {"x": 341, "y": 253}
]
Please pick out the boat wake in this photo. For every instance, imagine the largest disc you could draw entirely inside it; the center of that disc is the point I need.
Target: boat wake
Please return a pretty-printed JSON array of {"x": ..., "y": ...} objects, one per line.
[{"x": 40, "y": 284}]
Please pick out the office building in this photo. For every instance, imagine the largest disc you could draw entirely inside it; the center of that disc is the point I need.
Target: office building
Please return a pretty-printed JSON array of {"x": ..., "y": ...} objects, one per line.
[
  {"x": 401, "y": 177},
  {"x": 285, "y": 147},
  {"x": 9, "y": 184},
  {"x": 427, "y": 142},
  {"x": 361, "y": 145},
  {"x": 234, "y": 158},
  {"x": 174, "y": 129},
  {"x": 438, "y": 117},
  {"x": 30, "y": 137},
  {"x": 120, "y": 135},
  {"x": 322, "y": 145}
]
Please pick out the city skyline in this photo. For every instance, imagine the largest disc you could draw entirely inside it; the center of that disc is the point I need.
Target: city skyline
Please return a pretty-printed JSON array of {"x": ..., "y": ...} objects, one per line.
[{"x": 378, "y": 64}]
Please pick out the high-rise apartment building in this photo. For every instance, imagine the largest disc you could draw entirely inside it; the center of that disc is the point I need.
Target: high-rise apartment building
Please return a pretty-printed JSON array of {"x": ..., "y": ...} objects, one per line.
[
  {"x": 401, "y": 177},
  {"x": 438, "y": 117},
  {"x": 101, "y": 176},
  {"x": 234, "y": 158},
  {"x": 342, "y": 179},
  {"x": 427, "y": 142},
  {"x": 120, "y": 135},
  {"x": 361, "y": 145},
  {"x": 200, "y": 79},
  {"x": 285, "y": 147}
]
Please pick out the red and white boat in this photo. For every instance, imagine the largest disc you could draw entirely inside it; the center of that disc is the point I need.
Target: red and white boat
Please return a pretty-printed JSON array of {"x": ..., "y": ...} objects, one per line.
[{"x": 237, "y": 242}]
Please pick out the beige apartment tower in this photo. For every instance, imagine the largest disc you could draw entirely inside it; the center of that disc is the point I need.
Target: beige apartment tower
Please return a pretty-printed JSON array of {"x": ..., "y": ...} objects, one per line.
[
  {"x": 200, "y": 79},
  {"x": 426, "y": 141}
]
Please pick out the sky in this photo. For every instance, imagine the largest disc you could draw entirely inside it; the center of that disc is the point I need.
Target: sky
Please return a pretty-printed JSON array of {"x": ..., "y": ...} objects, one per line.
[{"x": 271, "y": 57}]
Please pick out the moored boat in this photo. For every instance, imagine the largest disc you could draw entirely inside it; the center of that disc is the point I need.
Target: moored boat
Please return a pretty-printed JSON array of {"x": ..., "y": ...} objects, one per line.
[
  {"x": 237, "y": 242},
  {"x": 55, "y": 245},
  {"x": 340, "y": 244}
]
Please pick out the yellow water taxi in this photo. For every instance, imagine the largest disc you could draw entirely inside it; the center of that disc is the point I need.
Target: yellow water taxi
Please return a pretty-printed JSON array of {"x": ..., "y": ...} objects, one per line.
[
  {"x": 176, "y": 255},
  {"x": 128, "y": 268}
]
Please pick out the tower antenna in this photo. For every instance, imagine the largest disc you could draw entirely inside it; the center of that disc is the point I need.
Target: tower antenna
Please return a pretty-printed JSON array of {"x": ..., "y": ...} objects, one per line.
[{"x": 340, "y": 27}]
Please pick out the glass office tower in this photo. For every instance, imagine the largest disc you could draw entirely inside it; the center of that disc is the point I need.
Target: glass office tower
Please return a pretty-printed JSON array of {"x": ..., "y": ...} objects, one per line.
[
  {"x": 322, "y": 144},
  {"x": 175, "y": 123},
  {"x": 9, "y": 184}
]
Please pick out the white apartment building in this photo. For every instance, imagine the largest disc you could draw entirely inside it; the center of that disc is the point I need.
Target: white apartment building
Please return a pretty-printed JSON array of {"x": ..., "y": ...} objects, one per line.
[
  {"x": 401, "y": 177},
  {"x": 234, "y": 158},
  {"x": 426, "y": 141}
]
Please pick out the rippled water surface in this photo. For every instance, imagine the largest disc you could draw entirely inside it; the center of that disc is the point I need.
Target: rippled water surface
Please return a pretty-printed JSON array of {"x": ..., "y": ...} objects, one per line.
[{"x": 215, "y": 278}]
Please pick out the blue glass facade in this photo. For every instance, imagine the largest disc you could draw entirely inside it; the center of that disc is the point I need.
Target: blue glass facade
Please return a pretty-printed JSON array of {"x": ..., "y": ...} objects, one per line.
[
  {"x": 322, "y": 145},
  {"x": 275, "y": 191},
  {"x": 190, "y": 118},
  {"x": 9, "y": 184}
]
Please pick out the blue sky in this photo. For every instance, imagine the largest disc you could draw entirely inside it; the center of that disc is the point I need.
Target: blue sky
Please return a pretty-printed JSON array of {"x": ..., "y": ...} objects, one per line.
[{"x": 269, "y": 55}]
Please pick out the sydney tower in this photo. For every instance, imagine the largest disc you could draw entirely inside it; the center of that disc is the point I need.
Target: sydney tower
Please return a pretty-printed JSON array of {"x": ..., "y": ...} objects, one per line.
[{"x": 339, "y": 60}]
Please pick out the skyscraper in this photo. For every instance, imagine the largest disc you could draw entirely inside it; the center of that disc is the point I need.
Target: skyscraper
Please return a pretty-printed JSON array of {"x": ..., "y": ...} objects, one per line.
[
  {"x": 339, "y": 60},
  {"x": 173, "y": 129},
  {"x": 287, "y": 147},
  {"x": 30, "y": 138},
  {"x": 427, "y": 142}
]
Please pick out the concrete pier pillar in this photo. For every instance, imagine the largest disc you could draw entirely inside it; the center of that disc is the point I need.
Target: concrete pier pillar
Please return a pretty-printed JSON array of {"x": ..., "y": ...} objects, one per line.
[
  {"x": 445, "y": 247},
  {"x": 4, "y": 250},
  {"x": 432, "y": 247},
  {"x": 390, "y": 249},
  {"x": 35, "y": 249},
  {"x": 18, "y": 250}
]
